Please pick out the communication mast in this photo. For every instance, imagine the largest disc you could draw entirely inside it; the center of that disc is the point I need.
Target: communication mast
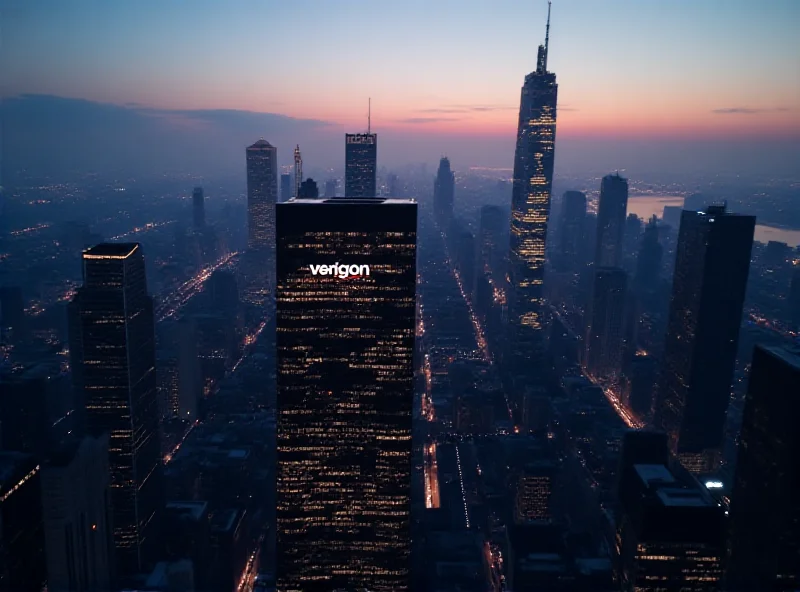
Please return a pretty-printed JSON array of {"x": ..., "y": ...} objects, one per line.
[{"x": 298, "y": 170}]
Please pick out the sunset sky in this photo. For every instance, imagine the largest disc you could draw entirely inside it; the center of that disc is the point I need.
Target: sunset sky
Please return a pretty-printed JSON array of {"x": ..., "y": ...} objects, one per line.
[{"x": 628, "y": 67}]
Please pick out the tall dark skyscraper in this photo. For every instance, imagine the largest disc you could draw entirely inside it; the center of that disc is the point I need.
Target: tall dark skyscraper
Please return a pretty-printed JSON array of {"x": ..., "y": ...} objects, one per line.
[
  {"x": 361, "y": 164},
  {"x": 286, "y": 187},
  {"x": 648, "y": 263},
  {"x": 444, "y": 192},
  {"x": 262, "y": 195},
  {"x": 491, "y": 232},
  {"x": 77, "y": 517},
  {"x": 198, "y": 208},
  {"x": 573, "y": 219},
  {"x": 116, "y": 342},
  {"x": 605, "y": 331},
  {"x": 765, "y": 506},
  {"x": 530, "y": 209},
  {"x": 345, "y": 337},
  {"x": 308, "y": 189},
  {"x": 711, "y": 268},
  {"x": 611, "y": 212},
  {"x": 794, "y": 301}
]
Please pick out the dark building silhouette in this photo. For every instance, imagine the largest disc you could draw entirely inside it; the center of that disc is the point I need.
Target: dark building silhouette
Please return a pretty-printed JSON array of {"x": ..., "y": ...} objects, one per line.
[
  {"x": 12, "y": 313},
  {"x": 286, "y": 187},
  {"x": 573, "y": 217},
  {"x": 308, "y": 189},
  {"x": 262, "y": 195},
  {"x": 604, "y": 339},
  {"x": 444, "y": 192},
  {"x": 534, "y": 491},
  {"x": 670, "y": 534},
  {"x": 492, "y": 224},
  {"x": 76, "y": 510},
  {"x": 22, "y": 555},
  {"x": 711, "y": 268},
  {"x": 648, "y": 263},
  {"x": 393, "y": 186},
  {"x": 611, "y": 211},
  {"x": 361, "y": 164},
  {"x": 330, "y": 188},
  {"x": 198, "y": 208},
  {"x": 534, "y": 158},
  {"x": 794, "y": 301},
  {"x": 345, "y": 342},
  {"x": 116, "y": 354},
  {"x": 764, "y": 549}
]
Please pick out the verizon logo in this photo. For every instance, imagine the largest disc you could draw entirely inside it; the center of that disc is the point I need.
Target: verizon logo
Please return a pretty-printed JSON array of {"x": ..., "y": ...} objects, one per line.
[{"x": 345, "y": 272}]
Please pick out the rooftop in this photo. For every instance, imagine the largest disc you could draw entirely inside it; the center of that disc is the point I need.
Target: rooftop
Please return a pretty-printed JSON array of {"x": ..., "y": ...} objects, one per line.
[
  {"x": 674, "y": 496},
  {"x": 787, "y": 353},
  {"x": 110, "y": 251},
  {"x": 262, "y": 144},
  {"x": 353, "y": 201},
  {"x": 654, "y": 474}
]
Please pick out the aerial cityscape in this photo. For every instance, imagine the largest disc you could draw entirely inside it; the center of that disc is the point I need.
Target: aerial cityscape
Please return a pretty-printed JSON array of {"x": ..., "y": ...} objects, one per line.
[{"x": 543, "y": 337}]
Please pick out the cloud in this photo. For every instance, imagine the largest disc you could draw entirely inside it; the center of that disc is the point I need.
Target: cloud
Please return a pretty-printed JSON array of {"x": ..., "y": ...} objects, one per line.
[
  {"x": 466, "y": 108},
  {"x": 420, "y": 120},
  {"x": 567, "y": 108},
  {"x": 747, "y": 110}
]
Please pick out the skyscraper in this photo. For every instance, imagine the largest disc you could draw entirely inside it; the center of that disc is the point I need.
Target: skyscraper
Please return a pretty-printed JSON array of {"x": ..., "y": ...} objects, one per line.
[
  {"x": 330, "y": 188},
  {"x": 765, "y": 507},
  {"x": 573, "y": 218},
  {"x": 361, "y": 164},
  {"x": 491, "y": 232},
  {"x": 443, "y": 193},
  {"x": 198, "y": 208},
  {"x": 711, "y": 268},
  {"x": 794, "y": 301},
  {"x": 345, "y": 340},
  {"x": 605, "y": 331},
  {"x": 648, "y": 263},
  {"x": 530, "y": 209},
  {"x": 77, "y": 517},
  {"x": 308, "y": 189},
  {"x": 262, "y": 195},
  {"x": 116, "y": 342},
  {"x": 611, "y": 211},
  {"x": 286, "y": 187}
]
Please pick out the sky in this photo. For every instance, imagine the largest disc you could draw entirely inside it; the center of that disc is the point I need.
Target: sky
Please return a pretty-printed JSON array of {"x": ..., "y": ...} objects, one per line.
[{"x": 639, "y": 69}]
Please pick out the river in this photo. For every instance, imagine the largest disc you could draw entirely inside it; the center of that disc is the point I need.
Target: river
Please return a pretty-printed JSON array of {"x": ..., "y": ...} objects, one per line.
[{"x": 646, "y": 206}]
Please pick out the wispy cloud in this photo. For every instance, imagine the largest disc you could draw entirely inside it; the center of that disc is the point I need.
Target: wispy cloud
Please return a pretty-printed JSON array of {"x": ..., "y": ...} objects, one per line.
[
  {"x": 748, "y": 110},
  {"x": 567, "y": 108},
  {"x": 421, "y": 120},
  {"x": 466, "y": 108}
]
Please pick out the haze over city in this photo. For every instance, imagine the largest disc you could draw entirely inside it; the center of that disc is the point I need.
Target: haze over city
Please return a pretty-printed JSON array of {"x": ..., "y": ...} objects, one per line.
[{"x": 645, "y": 86}]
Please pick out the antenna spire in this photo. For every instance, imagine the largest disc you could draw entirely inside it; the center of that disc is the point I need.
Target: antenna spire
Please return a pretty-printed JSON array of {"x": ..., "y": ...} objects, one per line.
[
  {"x": 369, "y": 116},
  {"x": 547, "y": 35}
]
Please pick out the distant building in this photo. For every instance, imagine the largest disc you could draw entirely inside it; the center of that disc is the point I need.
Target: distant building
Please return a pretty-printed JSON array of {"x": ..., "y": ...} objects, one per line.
[
  {"x": 444, "y": 192},
  {"x": 611, "y": 214},
  {"x": 330, "y": 188},
  {"x": 286, "y": 187},
  {"x": 22, "y": 554},
  {"x": 198, "y": 208},
  {"x": 466, "y": 261},
  {"x": 571, "y": 247},
  {"x": 361, "y": 164},
  {"x": 670, "y": 534},
  {"x": 262, "y": 195},
  {"x": 345, "y": 343},
  {"x": 491, "y": 249},
  {"x": 308, "y": 189},
  {"x": 76, "y": 502},
  {"x": 648, "y": 263},
  {"x": 116, "y": 341},
  {"x": 393, "y": 186},
  {"x": 604, "y": 339},
  {"x": 712, "y": 264},
  {"x": 765, "y": 505}
]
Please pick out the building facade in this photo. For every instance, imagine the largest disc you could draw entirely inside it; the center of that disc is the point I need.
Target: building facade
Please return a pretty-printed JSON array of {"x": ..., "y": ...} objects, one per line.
[
  {"x": 361, "y": 165},
  {"x": 711, "y": 269},
  {"x": 116, "y": 341},
  {"x": 345, "y": 340},
  {"x": 611, "y": 212}
]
